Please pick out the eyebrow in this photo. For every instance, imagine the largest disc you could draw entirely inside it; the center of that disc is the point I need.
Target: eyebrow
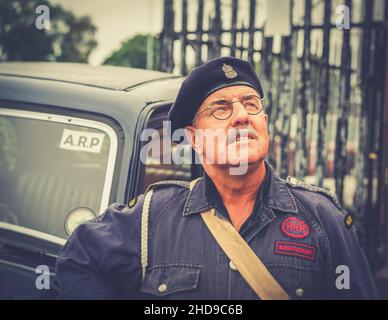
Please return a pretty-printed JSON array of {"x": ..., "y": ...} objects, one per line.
[
  {"x": 250, "y": 94},
  {"x": 217, "y": 100}
]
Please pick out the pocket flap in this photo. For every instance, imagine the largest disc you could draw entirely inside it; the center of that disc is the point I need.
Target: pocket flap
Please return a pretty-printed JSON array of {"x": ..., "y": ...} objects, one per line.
[{"x": 164, "y": 279}]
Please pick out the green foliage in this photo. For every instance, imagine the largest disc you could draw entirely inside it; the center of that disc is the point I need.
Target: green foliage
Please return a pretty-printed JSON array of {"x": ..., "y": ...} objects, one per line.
[
  {"x": 133, "y": 52},
  {"x": 68, "y": 39}
]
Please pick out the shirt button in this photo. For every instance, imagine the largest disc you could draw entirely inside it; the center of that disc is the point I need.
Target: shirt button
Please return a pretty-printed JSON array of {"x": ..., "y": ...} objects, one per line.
[
  {"x": 232, "y": 266},
  {"x": 299, "y": 292},
  {"x": 162, "y": 287}
]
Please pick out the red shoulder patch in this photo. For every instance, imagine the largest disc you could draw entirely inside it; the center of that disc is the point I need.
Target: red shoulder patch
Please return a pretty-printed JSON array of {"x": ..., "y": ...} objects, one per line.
[{"x": 295, "y": 228}]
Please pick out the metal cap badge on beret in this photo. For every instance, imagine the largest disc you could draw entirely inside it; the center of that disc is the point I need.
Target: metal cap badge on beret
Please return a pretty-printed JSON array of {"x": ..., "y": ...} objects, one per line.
[{"x": 206, "y": 79}]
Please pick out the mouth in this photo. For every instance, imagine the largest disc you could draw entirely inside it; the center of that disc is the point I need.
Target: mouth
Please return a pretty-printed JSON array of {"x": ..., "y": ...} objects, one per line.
[
  {"x": 241, "y": 136},
  {"x": 245, "y": 138}
]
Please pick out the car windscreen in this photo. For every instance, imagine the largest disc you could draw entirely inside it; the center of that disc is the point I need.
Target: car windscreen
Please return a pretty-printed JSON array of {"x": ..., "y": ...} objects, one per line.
[{"x": 55, "y": 171}]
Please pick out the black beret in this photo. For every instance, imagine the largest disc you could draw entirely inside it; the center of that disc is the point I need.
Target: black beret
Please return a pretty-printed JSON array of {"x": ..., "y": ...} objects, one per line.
[{"x": 206, "y": 79}]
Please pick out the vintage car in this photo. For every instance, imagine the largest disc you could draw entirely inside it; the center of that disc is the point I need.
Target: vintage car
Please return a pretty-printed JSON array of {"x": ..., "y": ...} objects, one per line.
[{"x": 70, "y": 145}]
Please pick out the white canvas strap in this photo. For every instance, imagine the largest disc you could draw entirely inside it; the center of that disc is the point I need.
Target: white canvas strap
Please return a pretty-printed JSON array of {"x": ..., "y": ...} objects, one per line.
[
  {"x": 251, "y": 268},
  {"x": 144, "y": 231}
]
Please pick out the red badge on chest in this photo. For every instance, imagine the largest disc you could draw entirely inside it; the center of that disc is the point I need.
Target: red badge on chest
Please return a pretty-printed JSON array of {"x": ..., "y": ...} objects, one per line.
[
  {"x": 295, "y": 249},
  {"x": 294, "y": 228}
]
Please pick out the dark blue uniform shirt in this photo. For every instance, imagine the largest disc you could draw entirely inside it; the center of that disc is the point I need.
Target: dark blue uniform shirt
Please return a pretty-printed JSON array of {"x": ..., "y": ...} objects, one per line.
[
  {"x": 298, "y": 231},
  {"x": 214, "y": 198}
]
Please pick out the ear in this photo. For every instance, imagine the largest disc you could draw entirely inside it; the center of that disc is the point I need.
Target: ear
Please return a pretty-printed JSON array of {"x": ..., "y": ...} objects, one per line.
[
  {"x": 190, "y": 135},
  {"x": 266, "y": 121}
]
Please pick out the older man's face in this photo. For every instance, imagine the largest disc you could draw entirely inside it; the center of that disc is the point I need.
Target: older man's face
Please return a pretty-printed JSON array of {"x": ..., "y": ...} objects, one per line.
[{"x": 241, "y": 138}]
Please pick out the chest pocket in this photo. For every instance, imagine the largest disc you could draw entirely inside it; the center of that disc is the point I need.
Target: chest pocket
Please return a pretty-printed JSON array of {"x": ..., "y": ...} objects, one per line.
[
  {"x": 172, "y": 281},
  {"x": 299, "y": 282}
]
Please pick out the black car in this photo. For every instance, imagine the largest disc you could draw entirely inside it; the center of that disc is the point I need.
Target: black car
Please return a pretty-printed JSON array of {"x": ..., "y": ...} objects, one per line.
[{"x": 70, "y": 145}]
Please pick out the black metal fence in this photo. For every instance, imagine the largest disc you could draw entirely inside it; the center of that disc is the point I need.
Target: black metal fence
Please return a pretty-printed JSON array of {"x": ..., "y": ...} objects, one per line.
[{"x": 324, "y": 89}]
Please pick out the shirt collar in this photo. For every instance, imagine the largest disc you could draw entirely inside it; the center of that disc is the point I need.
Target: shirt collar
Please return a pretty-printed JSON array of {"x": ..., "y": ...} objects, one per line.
[
  {"x": 275, "y": 194},
  {"x": 279, "y": 196}
]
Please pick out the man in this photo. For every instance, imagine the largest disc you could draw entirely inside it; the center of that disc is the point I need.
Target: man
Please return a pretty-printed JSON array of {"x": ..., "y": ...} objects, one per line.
[{"x": 159, "y": 245}]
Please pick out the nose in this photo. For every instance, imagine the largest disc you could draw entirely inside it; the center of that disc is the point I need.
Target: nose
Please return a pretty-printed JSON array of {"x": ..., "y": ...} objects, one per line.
[{"x": 240, "y": 116}]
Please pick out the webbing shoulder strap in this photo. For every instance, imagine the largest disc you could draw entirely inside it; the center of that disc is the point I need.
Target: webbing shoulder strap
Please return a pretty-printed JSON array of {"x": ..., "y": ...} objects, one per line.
[{"x": 251, "y": 268}]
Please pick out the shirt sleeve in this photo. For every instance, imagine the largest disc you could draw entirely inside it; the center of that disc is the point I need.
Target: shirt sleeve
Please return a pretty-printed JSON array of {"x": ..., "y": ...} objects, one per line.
[
  {"x": 348, "y": 271},
  {"x": 101, "y": 260}
]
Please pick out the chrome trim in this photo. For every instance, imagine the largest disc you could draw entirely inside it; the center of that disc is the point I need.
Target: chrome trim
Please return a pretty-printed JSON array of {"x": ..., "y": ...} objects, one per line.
[
  {"x": 33, "y": 233},
  {"x": 36, "y": 115},
  {"x": 23, "y": 267}
]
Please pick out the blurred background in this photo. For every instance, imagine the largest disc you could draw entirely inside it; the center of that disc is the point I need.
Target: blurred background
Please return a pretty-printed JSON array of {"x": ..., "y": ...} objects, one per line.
[{"x": 323, "y": 63}]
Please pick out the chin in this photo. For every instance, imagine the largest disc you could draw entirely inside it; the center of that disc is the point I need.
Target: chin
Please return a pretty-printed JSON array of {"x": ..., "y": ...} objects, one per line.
[
  {"x": 253, "y": 155},
  {"x": 250, "y": 161}
]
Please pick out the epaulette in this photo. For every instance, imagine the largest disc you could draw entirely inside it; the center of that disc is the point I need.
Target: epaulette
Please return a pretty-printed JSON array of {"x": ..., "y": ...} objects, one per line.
[
  {"x": 168, "y": 183},
  {"x": 161, "y": 184},
  {"x": 295, "y": 183}
]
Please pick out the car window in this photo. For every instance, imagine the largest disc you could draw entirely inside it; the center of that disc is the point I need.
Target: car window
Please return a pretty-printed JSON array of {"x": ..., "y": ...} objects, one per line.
[
  {"x": 159, "y": 152},
  {"x": 55, "y": 172}
]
